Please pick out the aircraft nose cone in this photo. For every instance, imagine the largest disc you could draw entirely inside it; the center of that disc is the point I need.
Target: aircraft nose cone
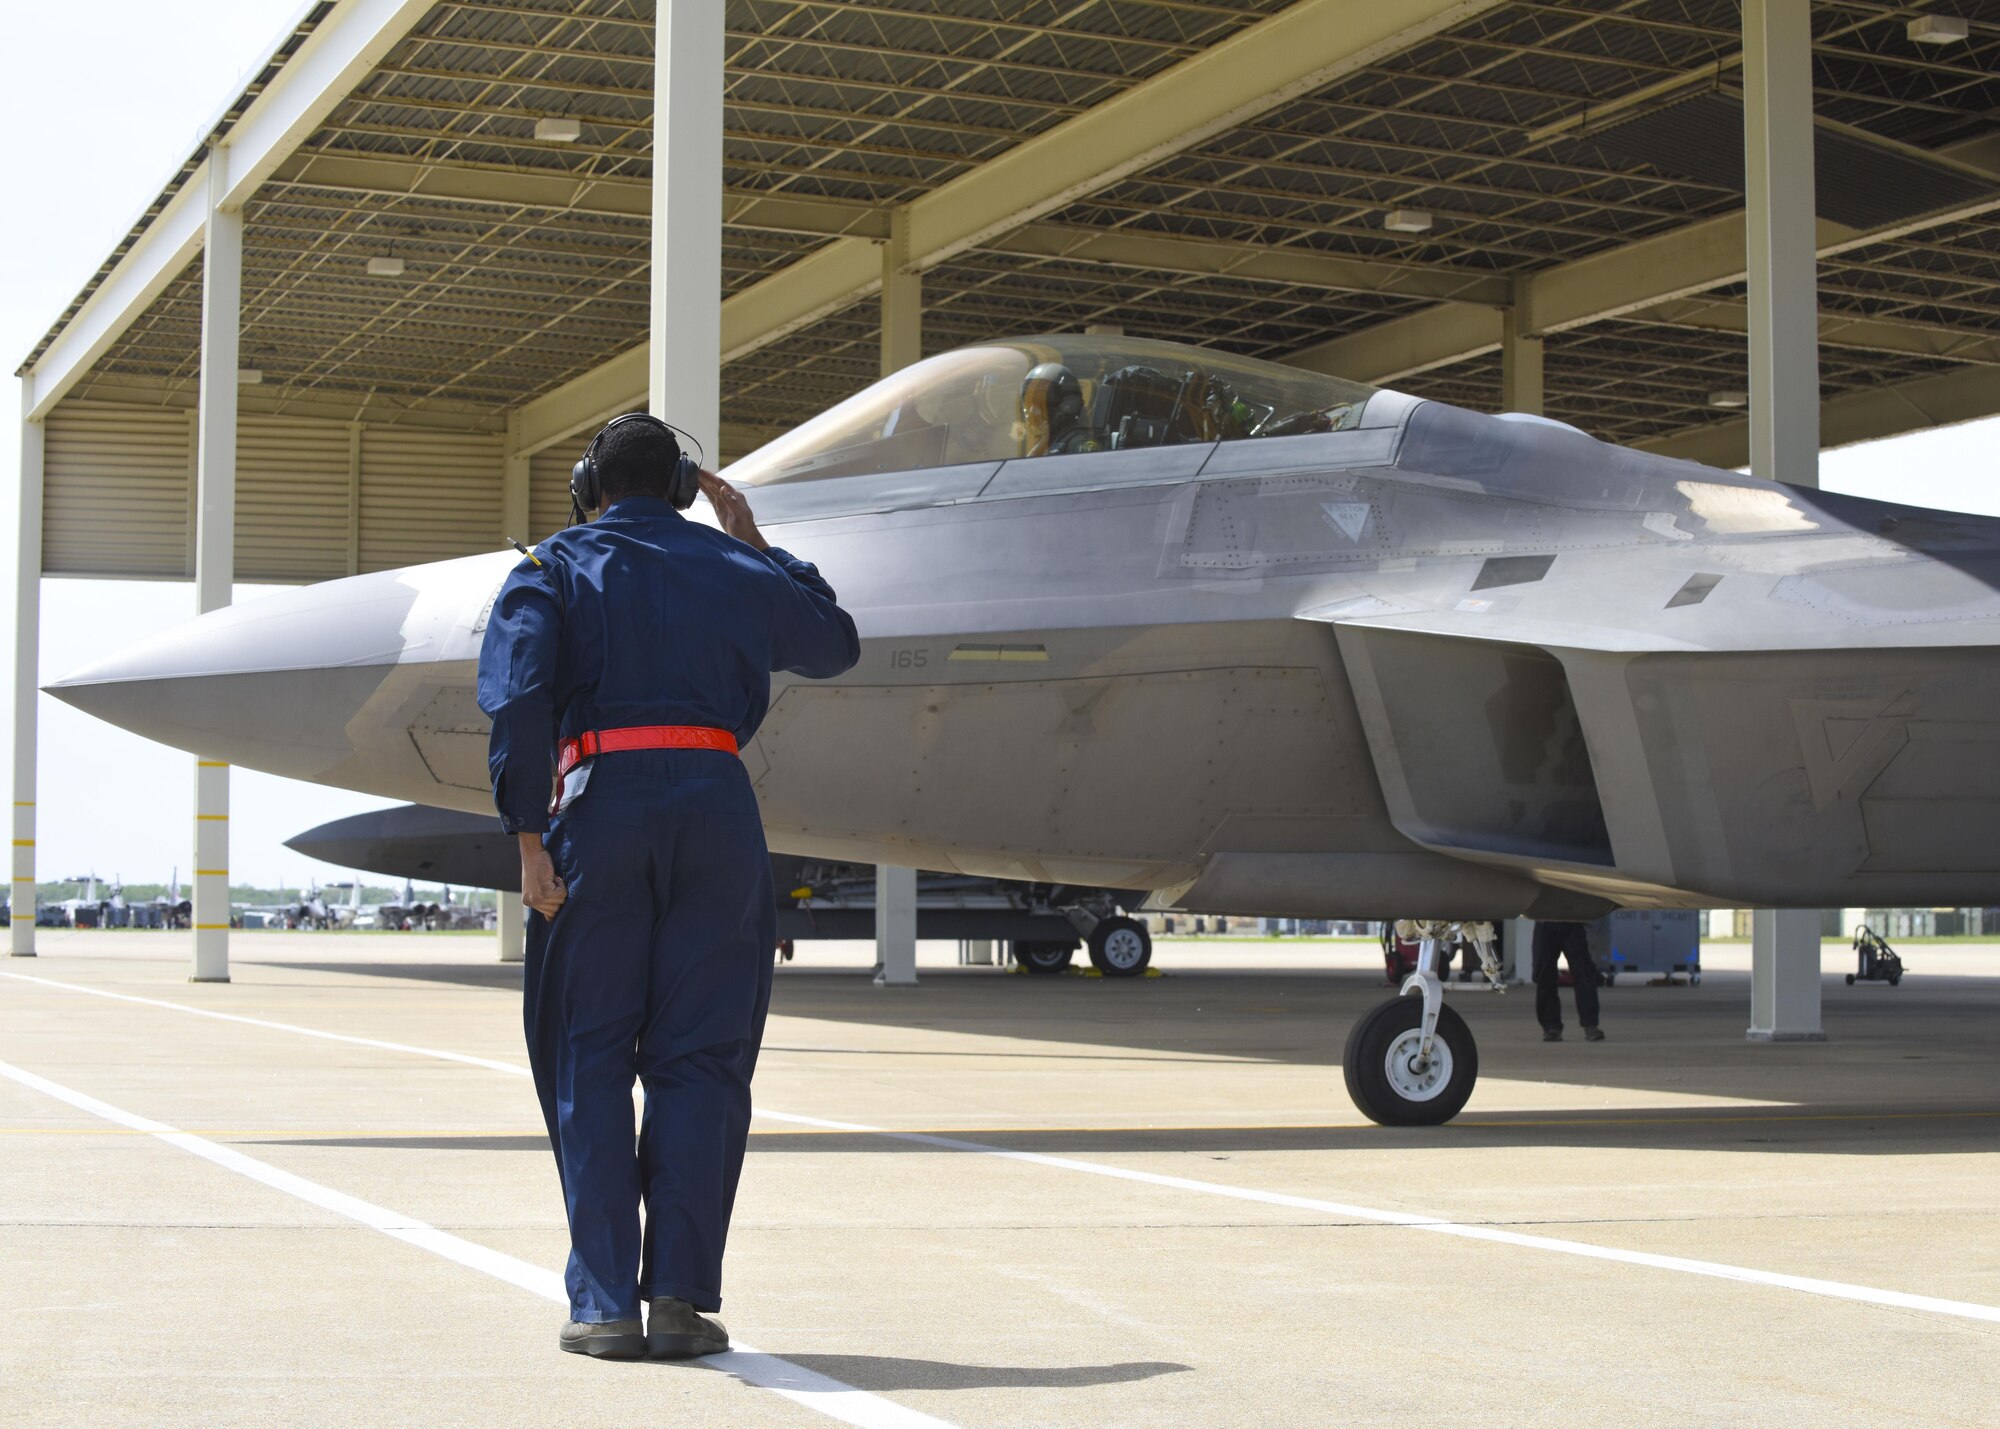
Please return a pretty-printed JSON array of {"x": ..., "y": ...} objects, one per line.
[{"x": 279, "y": 683}]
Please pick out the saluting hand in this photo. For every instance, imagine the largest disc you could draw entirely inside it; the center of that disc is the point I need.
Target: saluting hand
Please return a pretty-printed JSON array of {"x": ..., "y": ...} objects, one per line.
[{"x": 732, "y": 509}]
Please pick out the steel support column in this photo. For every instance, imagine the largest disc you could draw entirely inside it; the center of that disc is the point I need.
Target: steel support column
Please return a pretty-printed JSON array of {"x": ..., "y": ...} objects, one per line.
[
  {"x": 684, "y": 370},
  {"x": 895, "y": 926},
  {"x": 513, "y": 927},
  {"x": 1520, "y": 367},
  {"x": 214, "y": 543},
  {"x": 1781, "y": 236},
  {"x": 1785, "y": 975},
  {"x": 1782, "y": 240},
  {"x": 27, "y": 654},
  {"x": 902, "y": 344},
  {"x": 902, "y": 299},
  {"x": 515, "y": 476}
]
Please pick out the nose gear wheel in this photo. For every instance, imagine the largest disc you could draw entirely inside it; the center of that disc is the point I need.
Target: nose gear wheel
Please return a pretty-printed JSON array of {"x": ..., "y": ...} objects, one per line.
[{"x": 1387, "y": 1080}]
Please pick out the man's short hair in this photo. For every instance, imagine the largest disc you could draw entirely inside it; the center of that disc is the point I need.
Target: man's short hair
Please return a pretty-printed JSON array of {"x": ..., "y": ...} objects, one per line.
[{"x": 636, "y": 459}]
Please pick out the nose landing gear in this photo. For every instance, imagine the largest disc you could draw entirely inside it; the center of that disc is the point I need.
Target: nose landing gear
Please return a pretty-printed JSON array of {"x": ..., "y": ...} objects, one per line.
[{"x": 1412, "y": 1061}]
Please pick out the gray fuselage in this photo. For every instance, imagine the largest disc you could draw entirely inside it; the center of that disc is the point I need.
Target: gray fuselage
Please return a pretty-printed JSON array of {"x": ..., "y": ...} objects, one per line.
[{"x": 1441, "y": 664}]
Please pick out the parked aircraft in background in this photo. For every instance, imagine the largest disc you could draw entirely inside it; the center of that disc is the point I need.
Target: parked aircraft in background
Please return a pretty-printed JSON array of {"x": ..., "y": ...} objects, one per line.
[
  {"x": 174, "y": 910},
  {"x": 1250, "y": 639},
  {"x": 86, "y": 910},
  {"x": 311, "y": 911}
]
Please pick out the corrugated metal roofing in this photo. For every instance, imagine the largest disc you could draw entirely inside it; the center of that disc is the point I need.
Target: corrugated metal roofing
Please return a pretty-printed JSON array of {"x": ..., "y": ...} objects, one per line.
[
  {"x": 1857, "y": 180},
  {"x": 1494, "y": 127}
]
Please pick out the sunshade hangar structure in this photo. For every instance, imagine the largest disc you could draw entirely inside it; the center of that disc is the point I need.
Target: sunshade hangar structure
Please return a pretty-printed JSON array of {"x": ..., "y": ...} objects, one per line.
[{"x": 429, "y": 244}]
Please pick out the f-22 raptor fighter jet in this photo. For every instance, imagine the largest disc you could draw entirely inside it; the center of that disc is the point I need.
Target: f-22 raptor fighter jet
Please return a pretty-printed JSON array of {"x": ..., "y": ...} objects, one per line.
[{"x": 1242, "y": 638}]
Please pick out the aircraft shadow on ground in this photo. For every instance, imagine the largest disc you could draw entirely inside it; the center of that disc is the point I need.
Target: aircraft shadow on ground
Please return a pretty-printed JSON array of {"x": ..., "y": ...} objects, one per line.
[
  {"x": 1907, "y": 1070},
  {"x": 1819, "y": 1130},
  {"x": 1920, "y": 1047},
  {"x": 496, "y": 975},
  {"x": 884, "y": 1374},
  {"x": 528, "y": 1141}
]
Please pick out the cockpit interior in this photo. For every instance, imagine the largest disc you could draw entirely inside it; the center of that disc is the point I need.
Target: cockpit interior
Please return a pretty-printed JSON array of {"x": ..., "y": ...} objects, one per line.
[{"x": 1054, "y": 395}]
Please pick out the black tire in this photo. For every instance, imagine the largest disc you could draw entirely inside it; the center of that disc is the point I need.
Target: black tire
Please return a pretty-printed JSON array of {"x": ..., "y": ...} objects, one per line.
[
  {"x": 1043, "y": 958},
  {"x": 1120, "y": 947},
  {"x": 1850, "y": 979},
  {"x": 1895, "y": 979},
  {"x": 1364, "y": 1063}
]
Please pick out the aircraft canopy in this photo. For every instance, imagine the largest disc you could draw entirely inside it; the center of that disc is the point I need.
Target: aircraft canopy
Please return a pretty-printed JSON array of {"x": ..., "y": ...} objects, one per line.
[{"x": 1044, "y": 396}]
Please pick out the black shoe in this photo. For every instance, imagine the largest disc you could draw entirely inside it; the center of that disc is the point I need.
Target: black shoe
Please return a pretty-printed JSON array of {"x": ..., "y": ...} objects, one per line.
[
  {"x": 1552, "y": 1034},
  {"x": 1593, "y": 1034},
  {"x": 676, "y": 1331},
  {"x": 612, "y": 1340}
]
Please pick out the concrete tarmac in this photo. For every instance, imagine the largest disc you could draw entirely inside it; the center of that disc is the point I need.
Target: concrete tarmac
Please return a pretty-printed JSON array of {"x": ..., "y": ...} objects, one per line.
[{"x": 1145, "y": 1203}]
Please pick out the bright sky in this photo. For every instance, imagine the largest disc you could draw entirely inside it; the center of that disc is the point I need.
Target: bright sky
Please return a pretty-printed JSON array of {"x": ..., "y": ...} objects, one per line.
[
  {"x": 89, "y": 157},
  {"x": 111, "y": 802}
]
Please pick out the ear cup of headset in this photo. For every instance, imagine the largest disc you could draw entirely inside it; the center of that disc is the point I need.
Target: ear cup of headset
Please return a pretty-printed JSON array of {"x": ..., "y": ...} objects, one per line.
[
  {"x": 583, "y": 482},
  {"x": 686, "y": 483}
]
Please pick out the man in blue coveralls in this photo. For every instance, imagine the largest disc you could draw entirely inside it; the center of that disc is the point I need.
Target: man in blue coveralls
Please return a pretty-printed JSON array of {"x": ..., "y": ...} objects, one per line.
[{"x": 629, "y": 658}]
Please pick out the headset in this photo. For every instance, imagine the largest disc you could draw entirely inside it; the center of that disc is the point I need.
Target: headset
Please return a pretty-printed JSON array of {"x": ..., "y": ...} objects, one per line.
[{"x": 586, "y": 488}]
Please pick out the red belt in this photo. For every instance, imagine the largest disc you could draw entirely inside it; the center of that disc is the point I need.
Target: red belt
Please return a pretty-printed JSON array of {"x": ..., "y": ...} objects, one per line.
[{"x": 594, "y": 742}]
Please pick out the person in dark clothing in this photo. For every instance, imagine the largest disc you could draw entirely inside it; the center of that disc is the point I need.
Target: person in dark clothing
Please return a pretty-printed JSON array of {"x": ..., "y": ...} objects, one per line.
[
  {"x": 624, "y": 663},
  {"x": 1572, "y": 942}
]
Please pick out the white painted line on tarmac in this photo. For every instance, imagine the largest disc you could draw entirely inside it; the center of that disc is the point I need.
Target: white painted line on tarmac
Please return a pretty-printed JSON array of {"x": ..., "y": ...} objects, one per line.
[
  {"x": 800, "y": 1385},
  {"x": 1831, "y": 1289},
  {"x": 487, "y": 1062}
]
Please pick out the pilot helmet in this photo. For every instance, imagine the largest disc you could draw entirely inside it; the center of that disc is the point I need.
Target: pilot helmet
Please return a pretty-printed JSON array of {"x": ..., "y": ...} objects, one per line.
[
  {"x": 1225, "y": 415},
  {"x": 1051, "y": 404}
]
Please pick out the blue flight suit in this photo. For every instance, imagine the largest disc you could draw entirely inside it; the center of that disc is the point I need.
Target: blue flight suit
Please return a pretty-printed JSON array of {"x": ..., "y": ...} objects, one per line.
[{"x": 658, "y": 966}]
